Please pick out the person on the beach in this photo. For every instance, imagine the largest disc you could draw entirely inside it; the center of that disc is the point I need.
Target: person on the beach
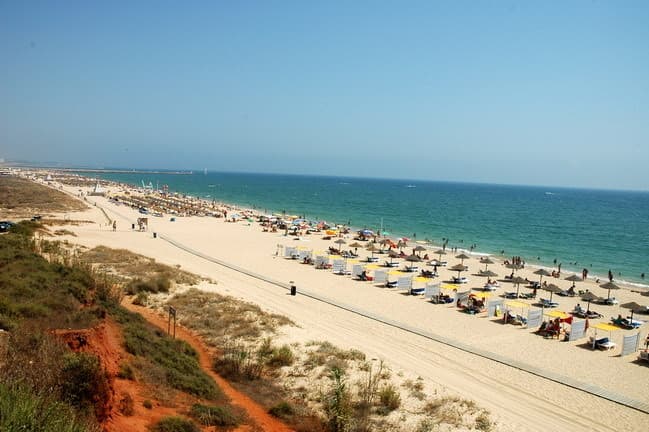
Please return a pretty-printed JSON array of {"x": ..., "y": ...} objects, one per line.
[
  {"x": 114, "y": 225},
  {"x": 610, "y": 275}
]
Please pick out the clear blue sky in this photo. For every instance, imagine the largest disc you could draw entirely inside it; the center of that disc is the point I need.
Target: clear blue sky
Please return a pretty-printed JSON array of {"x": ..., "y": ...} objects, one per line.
[{"x": 524, "y": 92}]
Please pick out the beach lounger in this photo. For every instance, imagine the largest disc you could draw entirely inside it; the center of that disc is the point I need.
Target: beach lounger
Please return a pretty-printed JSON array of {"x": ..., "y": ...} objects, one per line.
[
  {"x": 547, "y": 303},
  {"x": 511, "y": 295},
  {"x": 603, "y": 343},
  {"x": 391, "y": 264},
  {"x": 417, "y": 291}
]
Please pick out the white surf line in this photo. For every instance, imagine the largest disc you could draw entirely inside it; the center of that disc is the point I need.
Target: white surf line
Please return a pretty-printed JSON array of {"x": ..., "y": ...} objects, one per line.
[{"x": 551, "y": 376}]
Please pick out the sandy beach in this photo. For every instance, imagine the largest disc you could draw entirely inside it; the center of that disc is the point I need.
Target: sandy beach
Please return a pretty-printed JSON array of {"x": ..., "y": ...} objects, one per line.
[{"x": 517, "y": 399}]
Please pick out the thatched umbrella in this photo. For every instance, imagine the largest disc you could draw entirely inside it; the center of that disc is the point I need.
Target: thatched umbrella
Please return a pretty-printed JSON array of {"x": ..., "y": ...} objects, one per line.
[
  {"x": 486, "y": 262},
  {"x": 393, "y": 255},
  {"x": 440, "y": 252},
  {"x": 462, "y": 256},
  {"x": 355, "y": 245},
  {"x": 574, "y": 278},
  {"x": 413, "y": 258},
  {"x": 633, "y": 306},
  {"x": 340, "y": 242},
  {"x": 609, "y": 286},
  {"x": 488, "y": 273},
  {"x": 518, "y": 281},
  {"x": 372, "y": 248},
  {"x": 401, "y": 244},
  {"x": 459, "y": 268},
  {"x": 541, "y": 273},
  {"x": 552, "y": 289},
  {"x": 419, "y": 248},
  {"x": 589, "y": 297}
]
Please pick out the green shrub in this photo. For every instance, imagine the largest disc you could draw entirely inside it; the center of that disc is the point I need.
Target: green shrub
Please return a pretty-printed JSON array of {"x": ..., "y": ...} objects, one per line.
[
  {"x": 22, "y": 410},
  {"x": 126, "y": 372},
  {"x": 282, "y": 356},
  {"x": 85, "y": 385},
  {"x": 155, "y": 285},
  {"x": 214, "y": 415},
  {"x": 282, "y": 410},
  {"x": 390, "y": 398},
  {"x": 141, "y": 298},
  {"x": 175, "y": 424},
  {"x": 147, "y": 404}
]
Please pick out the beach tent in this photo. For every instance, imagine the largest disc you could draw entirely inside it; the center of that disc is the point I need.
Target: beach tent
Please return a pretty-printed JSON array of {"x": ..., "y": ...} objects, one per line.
[{"x": 606, "y": 328}]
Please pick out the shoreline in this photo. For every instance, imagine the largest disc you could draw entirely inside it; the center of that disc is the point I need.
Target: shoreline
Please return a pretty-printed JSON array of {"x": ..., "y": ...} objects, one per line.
[{"x": 567, "y": 269}]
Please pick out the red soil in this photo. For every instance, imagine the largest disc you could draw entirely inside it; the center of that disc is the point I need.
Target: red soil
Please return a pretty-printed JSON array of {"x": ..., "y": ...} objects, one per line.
[{"x": 104, "y": 341}]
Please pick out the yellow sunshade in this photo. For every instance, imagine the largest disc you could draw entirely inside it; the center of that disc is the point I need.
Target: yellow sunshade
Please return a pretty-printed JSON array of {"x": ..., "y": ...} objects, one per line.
[
  {"x": 517, "y": 304},
  {"x": 605, "y": 326},
  {"x": 557, "y": 314},
  {"x": 331, "y": 232},
  {"x": 396, "y": 272},
  {"x": 420, "y": 279},
  {"x": 372, "y": 266},
  {"x": 450, "y": 286},
  {"x": 335, "y": 257},
  {"x": 483, "y": 294},
  {"x": 353, "y": 261}
]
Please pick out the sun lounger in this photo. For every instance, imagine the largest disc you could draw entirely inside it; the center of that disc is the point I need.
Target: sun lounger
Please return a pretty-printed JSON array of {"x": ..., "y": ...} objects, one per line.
[
  {"x": 417, "y": 291},
  {"x": 391, "y": 264},
  {"x": 603, "y": 343},
  {"x": 460, "y": 280},
  {"x": 643, "y": 355},
  {"x": 511, "y": 295},
  {"x": 547, "y": 303}
]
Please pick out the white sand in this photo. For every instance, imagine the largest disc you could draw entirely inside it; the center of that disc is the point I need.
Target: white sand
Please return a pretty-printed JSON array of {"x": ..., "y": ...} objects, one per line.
[{"x": 517, "y": 400}]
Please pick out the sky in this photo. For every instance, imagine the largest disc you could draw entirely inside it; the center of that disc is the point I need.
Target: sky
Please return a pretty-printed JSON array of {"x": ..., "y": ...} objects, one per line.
[{"x": 545, "y": 93}]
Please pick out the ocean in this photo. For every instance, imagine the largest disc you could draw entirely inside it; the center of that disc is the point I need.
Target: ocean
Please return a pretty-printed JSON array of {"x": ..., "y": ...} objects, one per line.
[{"x": 579, "y": 228}]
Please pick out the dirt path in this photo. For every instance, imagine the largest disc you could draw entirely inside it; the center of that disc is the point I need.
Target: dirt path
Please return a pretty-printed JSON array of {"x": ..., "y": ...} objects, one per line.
[{"x": 256, "y": 412}]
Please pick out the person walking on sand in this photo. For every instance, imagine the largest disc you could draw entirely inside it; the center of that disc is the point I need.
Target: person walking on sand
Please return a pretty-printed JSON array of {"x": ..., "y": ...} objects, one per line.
[{"x": 114, "y": 225}]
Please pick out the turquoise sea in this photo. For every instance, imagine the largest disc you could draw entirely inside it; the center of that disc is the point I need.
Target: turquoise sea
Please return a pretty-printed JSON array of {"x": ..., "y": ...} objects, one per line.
[{"x": 580, "y": 228}]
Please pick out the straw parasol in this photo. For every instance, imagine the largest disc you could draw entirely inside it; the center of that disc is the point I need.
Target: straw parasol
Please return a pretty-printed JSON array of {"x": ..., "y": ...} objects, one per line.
[
  {"x": 488, "y": 273},
  {"x": 392, "y": 255},
  {"x": 372, "y": 248},
  {"x": 574, "y": 278},
  {"x": 355, "y": 245},
  {"x": 518, "y": 281},
  {"x": 552, "y": 289},
  {"x": 440, "y": 252},
  {"x": 486, "y": 261},
  {"x": 462, "y": 256},
  {"x": 589, "y": 297},
  {"x": 413, "y": 258},
  {"x": 419, "y": 248},
  {"x": 401, "y": 244},
  {"x": 459, "y": 268},
  {"x": 609, "y": 286},
  {"x": 633, "y": 306},
  {"x": 340, "y": 242},
  {"x": 541, "y": 273}
]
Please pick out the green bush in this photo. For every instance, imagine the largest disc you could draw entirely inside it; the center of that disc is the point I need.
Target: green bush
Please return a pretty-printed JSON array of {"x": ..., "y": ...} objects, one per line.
[
  {"x": 126, "y": 372},
  {"x": 390, "y": 398},
  {"x": 147, "y": 404},
  {"x": 155, "y": 285},
  {"x": 282, "y": 410},
  {"x": 282, "y": 356},
  {"x": 175, "y": 424},
  {"x": 85, "y": 385},
  {"x": 22, "y": 410},
  {"x": 141, "y": 298},
  {"x": 214, "y": 415}
]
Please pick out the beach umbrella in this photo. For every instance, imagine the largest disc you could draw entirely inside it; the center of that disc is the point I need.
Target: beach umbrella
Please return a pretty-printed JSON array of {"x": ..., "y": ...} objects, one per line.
[
  {"x": 541, "y": 273},
  {"x": 518, "y": 281},
  {"x": 459, "y": 268},
  {"x": 486, "y": 261},
  {"x": 419, "y": 248},
  {"x": 340, "y": 242},
  {"x": 488, "y": 273},
  {"x": 413, "y": 258},
  {"x": 552, "y": 289},
  {"x": 609, "y": 286},
  {"x": 589, "y": 297},
  {"x": 574, "y": 278},
  {"x": 355, "y": 245},
  {"x": 372, "y": 249},
  {"x": 633, "y": 306},
  {"x": 401, "y": 244},
  {"x": 462, "y": 256},
  {"x": 393, "y": 255},
  {"x": 440, "y": 252}
]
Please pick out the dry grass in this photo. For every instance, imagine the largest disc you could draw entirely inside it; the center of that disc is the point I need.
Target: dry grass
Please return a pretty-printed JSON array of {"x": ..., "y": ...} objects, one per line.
[
  {"x": 130, "y": 265},
  {"x": 22, "y": 198},
  {"x": 221, "y": 318},
  {"x": 457, "y": 412}
]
